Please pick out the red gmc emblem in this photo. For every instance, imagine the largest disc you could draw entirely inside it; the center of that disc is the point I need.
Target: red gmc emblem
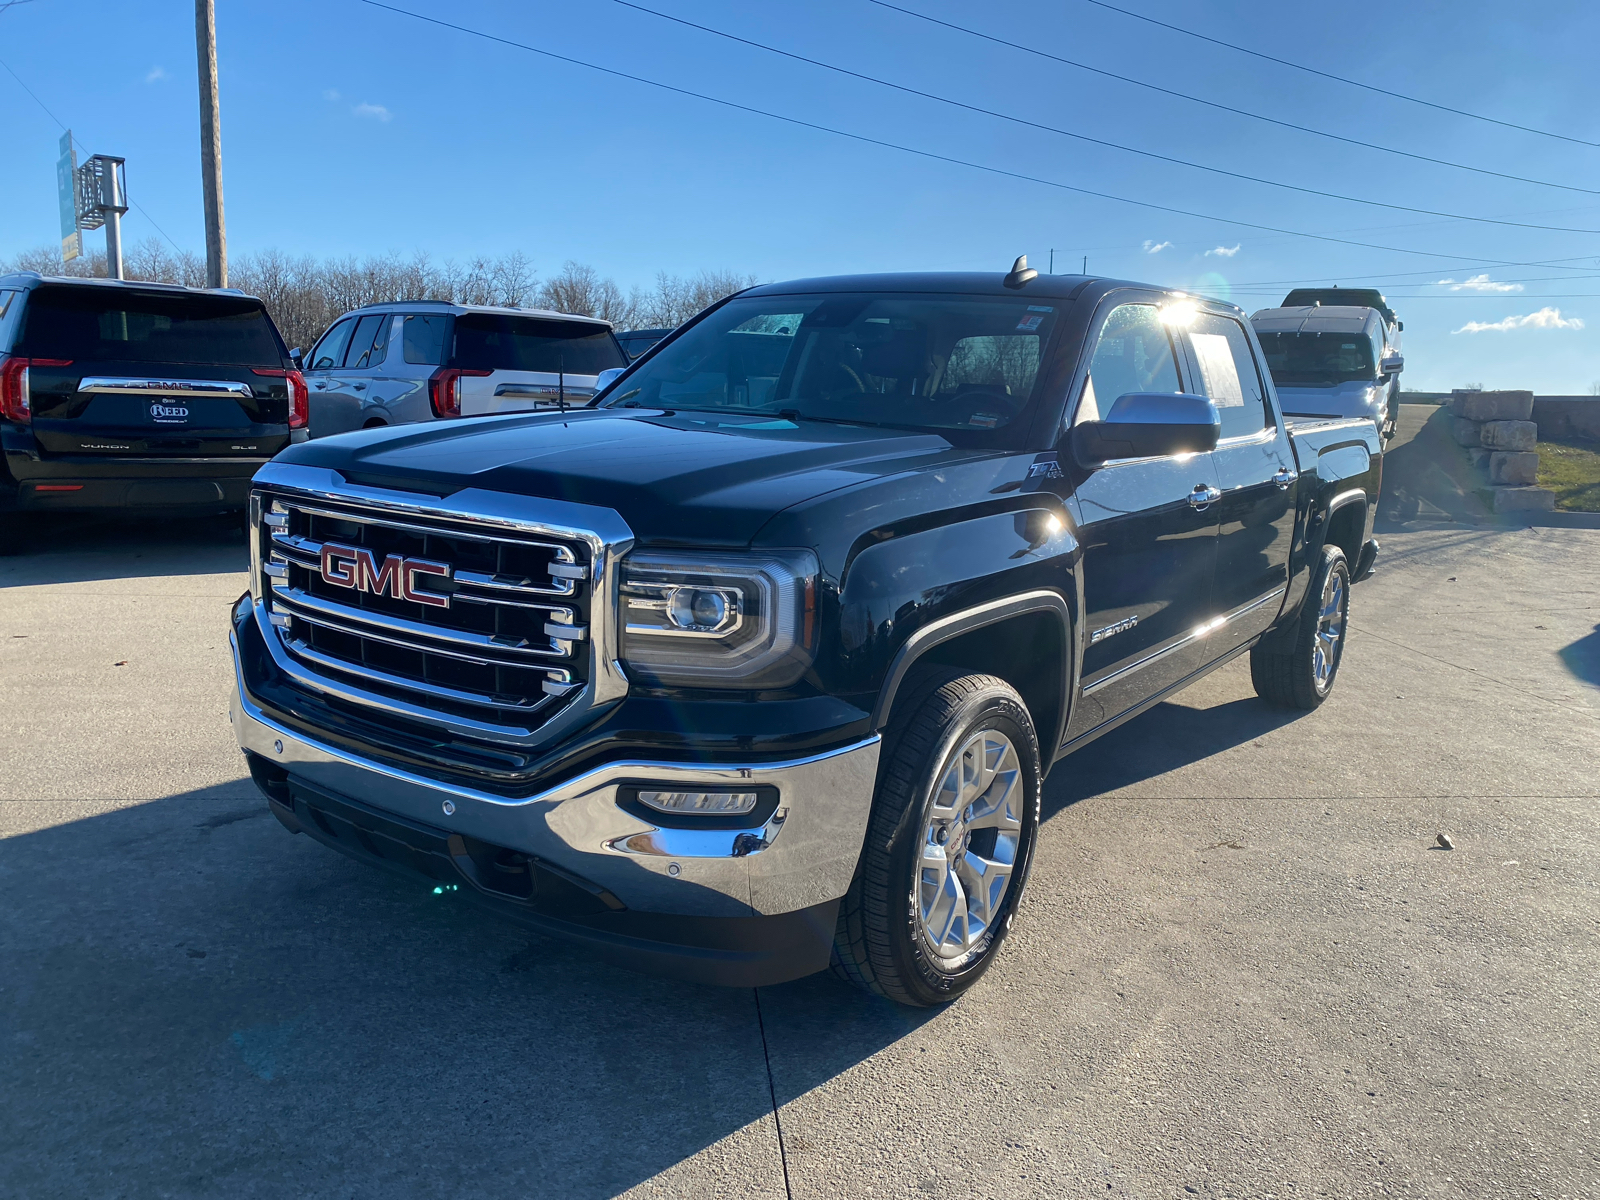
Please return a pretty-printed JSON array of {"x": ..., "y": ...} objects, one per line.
[{"x": 357, "y": 567}]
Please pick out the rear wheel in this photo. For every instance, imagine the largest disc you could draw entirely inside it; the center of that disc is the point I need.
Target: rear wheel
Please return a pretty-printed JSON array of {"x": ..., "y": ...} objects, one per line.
[
  {"x": 1303, "y": 675},
  {"x": 948, "y": 845}
]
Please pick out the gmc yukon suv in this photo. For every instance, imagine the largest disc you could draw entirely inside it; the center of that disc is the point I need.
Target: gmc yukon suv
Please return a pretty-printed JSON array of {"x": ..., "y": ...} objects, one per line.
[
  {"x": 760, "y": 662},
  {"x": 137, "y": 396}
]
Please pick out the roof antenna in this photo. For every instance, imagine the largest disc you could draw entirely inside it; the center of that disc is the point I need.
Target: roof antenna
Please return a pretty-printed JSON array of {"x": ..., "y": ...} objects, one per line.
[{"x": 1021, "y": 273}]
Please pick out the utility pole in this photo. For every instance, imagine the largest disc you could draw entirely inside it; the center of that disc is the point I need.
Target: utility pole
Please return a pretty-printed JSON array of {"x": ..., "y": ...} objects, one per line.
[
  {"x": 1085, "y": 264},
  {"x": 205, "y": 37}
]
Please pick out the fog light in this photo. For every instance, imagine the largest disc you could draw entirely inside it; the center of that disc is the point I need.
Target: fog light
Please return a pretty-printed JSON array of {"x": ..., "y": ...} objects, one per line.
[{"x": 721, "y": 804}]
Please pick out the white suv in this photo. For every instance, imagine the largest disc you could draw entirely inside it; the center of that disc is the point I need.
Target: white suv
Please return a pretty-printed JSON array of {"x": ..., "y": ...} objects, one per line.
[{"x": 424, "y": 360}]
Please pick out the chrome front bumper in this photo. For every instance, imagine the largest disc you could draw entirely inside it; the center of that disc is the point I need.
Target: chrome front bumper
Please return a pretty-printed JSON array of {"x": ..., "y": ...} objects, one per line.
[{"x": 804, "y": 855}]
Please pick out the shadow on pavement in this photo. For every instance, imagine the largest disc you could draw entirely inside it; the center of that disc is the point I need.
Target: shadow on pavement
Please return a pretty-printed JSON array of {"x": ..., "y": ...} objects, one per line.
[
  {"x": 195, "y": 1003},
  {"x": 1426, "y": 476},
  {"x": 1582, "y": 657},
  {"x": 64, "y": 548},
  {"x": 1164, "y": 739}
]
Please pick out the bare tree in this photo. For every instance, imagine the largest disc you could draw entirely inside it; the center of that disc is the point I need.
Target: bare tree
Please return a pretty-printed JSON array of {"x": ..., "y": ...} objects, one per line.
[{"x": 305, "y": 296}]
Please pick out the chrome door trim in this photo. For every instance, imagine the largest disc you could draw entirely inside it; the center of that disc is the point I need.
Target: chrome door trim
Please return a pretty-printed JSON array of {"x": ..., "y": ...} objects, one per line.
[
  {"x": 127, "y": 385},
  {"x": 1185, "y": 639}
]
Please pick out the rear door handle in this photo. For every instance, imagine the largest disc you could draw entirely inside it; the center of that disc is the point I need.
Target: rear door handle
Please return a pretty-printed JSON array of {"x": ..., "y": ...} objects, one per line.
[
  {"x": 360, "y": 387},
  {"x": 1285, "y": 477},
  {"x": 1204, "y": 496}
]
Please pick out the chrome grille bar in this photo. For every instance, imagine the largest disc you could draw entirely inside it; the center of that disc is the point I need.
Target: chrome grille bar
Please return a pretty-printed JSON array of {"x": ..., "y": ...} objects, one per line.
[{"x": 490, "y": 647}]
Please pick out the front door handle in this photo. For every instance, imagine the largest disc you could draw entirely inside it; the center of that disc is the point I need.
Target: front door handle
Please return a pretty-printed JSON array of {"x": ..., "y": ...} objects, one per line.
[
  {"x": 360, "y": 387},
  {"x": 1284, "y": 478},
  {"x": 1204, "y": 496}
]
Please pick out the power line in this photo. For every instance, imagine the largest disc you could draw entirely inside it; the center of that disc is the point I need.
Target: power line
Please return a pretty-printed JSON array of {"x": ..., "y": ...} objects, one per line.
[
  {"x": 1083, "y": 137},
  {"x": 928, "y": 154},
  {"x": 1322, "y": 133},
  {"x": 143, "y": 211},
  {"x": 1355, "y": 83}
]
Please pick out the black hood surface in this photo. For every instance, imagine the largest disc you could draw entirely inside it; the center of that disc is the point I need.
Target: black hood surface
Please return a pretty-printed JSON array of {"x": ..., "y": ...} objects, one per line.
[{"x": 693, "y": 477}]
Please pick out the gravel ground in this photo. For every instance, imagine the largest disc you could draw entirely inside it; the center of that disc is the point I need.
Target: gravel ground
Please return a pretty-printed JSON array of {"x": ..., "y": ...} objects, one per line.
[{"x": 1243, "y": 968}]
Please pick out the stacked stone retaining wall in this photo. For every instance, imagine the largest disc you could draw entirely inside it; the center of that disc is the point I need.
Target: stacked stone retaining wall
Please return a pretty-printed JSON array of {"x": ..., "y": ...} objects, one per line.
[{"x": 1499, "y": 432}]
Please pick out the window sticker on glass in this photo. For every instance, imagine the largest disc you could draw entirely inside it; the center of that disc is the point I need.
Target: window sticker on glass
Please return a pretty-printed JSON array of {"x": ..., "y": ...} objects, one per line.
[
  {"x": 1030, "y": 323},
  {"x": 1217, "y": 369},
  {"x": 1040, "y": 308}
]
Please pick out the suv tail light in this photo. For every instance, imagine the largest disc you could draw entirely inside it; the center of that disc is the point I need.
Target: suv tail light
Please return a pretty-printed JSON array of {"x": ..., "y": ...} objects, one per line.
[
  {"x": 299, "y": 395},
  {"x": 16, "y": 404},
  {"x": 444, "y": 390}
]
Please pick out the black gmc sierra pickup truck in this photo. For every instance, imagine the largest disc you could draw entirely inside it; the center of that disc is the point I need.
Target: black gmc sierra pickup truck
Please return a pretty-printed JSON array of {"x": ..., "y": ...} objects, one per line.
[{"x": 759, "y": 662}]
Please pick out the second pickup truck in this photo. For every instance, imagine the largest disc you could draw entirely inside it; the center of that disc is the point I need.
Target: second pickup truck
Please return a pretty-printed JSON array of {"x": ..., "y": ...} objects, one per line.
[{"x": 758, "y": 665}]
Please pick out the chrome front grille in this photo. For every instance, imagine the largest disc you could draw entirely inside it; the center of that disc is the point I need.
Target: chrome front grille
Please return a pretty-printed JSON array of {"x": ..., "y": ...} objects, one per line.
[{"x": 484, "y": 628}]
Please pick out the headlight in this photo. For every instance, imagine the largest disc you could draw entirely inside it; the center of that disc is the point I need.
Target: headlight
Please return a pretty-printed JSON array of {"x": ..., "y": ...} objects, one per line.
[{"x": 719, "y": 620}]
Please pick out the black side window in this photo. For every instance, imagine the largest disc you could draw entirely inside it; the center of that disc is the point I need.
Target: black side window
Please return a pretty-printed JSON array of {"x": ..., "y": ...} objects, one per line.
[
  {"x": 423, "y": 339},
  {"x": 10, "y": 310},
  {"x": 330, "y": 350},
  {"x": 1225, "y": 370},
  {"x": 366, "y": 348},
  {"x": 1132, "y": 354}
]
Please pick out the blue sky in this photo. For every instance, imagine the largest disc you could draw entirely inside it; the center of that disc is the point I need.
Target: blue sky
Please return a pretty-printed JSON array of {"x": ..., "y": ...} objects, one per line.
[{"x": 348, "y": 129}]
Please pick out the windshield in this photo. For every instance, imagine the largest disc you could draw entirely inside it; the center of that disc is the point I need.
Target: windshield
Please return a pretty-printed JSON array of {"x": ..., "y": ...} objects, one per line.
[
  {"x": 944, "y": 363},
  {"x": 1327, "y": 358},
  {"x": 490, "y": 342},
  {"x": 94, "y": 324}
]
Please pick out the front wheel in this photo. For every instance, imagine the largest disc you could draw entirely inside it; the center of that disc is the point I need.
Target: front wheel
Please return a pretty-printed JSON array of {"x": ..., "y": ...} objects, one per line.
[
  {"x": 948, "y": 845},
  {"x": 1302, "y": 676}
]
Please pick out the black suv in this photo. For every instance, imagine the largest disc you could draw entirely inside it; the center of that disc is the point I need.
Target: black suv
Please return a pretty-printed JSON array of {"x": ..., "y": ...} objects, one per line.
[{"x": 147, "y": 396}]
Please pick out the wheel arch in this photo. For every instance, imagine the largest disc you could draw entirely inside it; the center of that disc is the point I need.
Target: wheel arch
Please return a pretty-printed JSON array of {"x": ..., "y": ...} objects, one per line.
[
  {"x": 1026, "y": 639},
  {"x": 1344, "y": 524}
]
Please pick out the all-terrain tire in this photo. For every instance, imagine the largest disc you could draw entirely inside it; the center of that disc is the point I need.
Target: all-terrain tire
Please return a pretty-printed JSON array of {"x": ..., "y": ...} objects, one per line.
[
  {"x": 1303, "y": 675},
  {"x": 880, "y": 943}
]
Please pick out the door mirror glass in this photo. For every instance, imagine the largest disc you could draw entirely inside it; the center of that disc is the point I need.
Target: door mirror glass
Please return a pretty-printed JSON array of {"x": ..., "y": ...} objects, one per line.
[
  {"x": 297, "y": 357},
  {"x": 1392, "y": 365},
  {"x": 1149, "y": 425}
]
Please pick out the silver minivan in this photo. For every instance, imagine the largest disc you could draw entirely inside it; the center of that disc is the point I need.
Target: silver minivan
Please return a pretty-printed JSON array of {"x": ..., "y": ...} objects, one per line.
[{"x": 426, "y": 360}]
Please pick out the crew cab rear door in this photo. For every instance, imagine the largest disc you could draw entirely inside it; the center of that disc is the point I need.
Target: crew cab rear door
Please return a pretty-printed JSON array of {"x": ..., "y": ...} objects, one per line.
[
  {"x": 122, "y": 372},
  {"x": 1256, "y": 472}
]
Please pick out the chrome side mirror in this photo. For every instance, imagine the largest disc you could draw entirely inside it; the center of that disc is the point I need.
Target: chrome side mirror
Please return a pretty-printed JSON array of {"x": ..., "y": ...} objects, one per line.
[
  {"x": 1149, "y": 425},
  {"x": 606, "y": 378}
]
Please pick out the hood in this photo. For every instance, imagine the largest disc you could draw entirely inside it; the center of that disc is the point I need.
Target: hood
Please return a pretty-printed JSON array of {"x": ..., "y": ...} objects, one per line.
[
  {"x": 1357, "y": 398},
  {"x": 705, "y": 478}
]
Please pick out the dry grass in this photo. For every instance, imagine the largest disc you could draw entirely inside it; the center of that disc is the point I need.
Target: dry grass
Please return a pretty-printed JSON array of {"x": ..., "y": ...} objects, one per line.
[{"x": 1571, "y": 469}]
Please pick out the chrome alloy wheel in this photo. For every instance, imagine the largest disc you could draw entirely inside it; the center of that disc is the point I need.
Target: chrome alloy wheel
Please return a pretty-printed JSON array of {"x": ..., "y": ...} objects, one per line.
[
  {"x": 969, "y": 848},
  {"x": 1330, "y": 631}
]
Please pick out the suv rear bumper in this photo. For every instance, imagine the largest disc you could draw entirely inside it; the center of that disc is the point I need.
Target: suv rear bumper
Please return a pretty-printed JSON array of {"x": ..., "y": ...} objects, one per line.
[
  {"x": 735, "y": 906},
  {"x": 44, "y": 485}
]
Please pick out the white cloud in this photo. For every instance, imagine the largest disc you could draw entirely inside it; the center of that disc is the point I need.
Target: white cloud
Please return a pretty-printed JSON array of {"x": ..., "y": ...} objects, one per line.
[
  {"x": 1224, "y": 251},
  {"x": 1155, "y": 247},
  {"x": 330, "y": 94},
  {"x": 155, "y": 75},
  {"x": 1545, "y": 318},
  {"x": 372, "y": 110},
  {"x": 1479, "y": 283}
]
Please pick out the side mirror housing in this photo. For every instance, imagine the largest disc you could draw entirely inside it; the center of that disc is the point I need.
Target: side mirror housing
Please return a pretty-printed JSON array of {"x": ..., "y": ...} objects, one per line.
[
  {"x": 1392, "y": 365},
  {"x": 1149, "y": 425},
  {"x": 1400, "y": 326},
  {"x": 606, "y": 378},
  {"x": 297, "y": 356}
]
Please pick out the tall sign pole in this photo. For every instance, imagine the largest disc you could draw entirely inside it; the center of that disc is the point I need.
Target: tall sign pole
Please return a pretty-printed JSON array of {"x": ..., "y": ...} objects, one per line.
[{"x": 205, "y": 36}]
